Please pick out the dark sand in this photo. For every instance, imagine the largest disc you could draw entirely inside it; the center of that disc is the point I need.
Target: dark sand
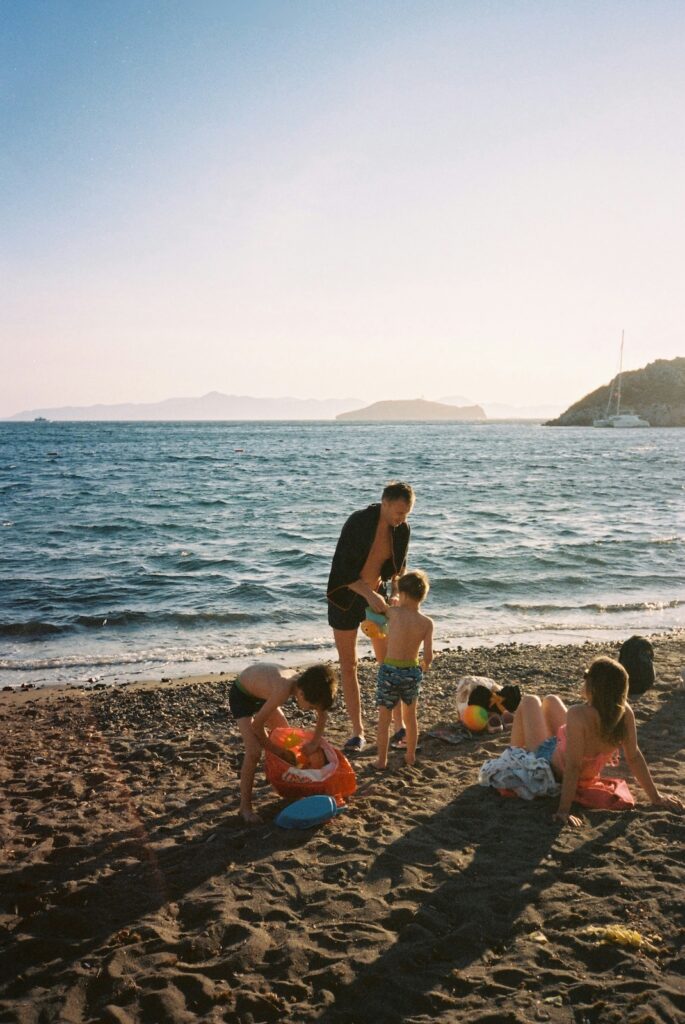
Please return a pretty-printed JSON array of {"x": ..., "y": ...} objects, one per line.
[{"x": 130, "y": 891}]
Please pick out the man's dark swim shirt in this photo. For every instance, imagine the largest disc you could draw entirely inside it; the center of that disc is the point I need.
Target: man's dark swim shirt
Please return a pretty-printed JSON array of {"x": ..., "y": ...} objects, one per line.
[{"x": 352, "y": 550}]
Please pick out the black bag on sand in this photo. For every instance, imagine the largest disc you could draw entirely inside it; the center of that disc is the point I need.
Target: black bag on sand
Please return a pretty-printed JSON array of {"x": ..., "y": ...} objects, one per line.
[{"x": 637, "y": 657}]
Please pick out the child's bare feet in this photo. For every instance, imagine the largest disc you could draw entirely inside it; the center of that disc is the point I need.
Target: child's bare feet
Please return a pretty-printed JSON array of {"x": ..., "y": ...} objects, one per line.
[
  {"x": 250, "y": 817},
  {"x": 409, "y": 761},
  {"x": 380, "y": 766}
]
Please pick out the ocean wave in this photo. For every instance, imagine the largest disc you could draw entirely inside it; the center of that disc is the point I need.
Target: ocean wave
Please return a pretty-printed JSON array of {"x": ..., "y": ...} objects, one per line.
[
  {"x": 168, "y": 655},
  {"x": 32, "y": 628},
  {"x": 113, "y": 620},
  {"x": 546, "y": 632},
  {"x": 299, "y": 559},
  {"x": 595, "y": 607}
]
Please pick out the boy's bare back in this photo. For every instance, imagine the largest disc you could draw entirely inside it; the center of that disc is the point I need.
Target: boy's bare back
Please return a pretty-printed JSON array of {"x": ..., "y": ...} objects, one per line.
[
  {"x": 408, "y": 629},
  {"x": 263, "y": 680}
]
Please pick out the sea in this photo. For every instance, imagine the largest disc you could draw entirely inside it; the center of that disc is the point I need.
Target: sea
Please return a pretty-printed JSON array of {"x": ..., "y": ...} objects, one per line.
[{"x": 150, "y": 550}]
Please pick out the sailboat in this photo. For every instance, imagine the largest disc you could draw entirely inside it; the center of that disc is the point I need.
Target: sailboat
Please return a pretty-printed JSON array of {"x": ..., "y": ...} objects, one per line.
[{"x": 619, "y": 419}]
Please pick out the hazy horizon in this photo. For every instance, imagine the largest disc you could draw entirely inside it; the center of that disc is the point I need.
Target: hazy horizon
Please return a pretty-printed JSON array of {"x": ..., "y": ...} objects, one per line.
[
  {"x": 280, "y": 407},
  {"x": 370, "y": 199}
]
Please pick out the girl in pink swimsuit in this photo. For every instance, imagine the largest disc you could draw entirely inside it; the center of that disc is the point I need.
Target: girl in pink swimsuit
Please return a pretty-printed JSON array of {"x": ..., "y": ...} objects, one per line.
[{"x": 579, "y": 741}]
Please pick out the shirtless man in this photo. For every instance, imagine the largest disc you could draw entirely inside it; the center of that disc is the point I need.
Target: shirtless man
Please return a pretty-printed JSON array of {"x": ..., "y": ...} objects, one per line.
[{"x": 371, "y": 550}]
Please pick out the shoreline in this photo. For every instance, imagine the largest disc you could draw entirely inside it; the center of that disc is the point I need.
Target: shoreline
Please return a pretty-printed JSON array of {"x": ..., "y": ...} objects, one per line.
[
  {"x": 477, "y": 651},
  {"x": 131, "y": 890}
]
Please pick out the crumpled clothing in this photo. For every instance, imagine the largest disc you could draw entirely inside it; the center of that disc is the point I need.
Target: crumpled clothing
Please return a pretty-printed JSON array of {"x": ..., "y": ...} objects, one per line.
[
  {"x": 522, "y": 772},
  {"x": 294, "y": 774},
  {"x": 605, "y": 793}
]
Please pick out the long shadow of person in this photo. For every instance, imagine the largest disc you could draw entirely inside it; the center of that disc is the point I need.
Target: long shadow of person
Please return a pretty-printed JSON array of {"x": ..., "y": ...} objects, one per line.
[
  {"x": 112, "y": 885},
  {"x": 461, "y": 888}
]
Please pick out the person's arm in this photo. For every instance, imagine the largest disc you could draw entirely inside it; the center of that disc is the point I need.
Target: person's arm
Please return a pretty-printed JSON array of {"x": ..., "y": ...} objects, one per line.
[
  {"x": 640, "y": 770},
  {"x": 575, "y": 748},
  {"x": 260, "y": 720},
  {"x": 315, "y": 742},
  {"x": 395, "y": 587},
  {"x": 427, "y": 647},
  {"x": 347, "y": 564},
  {"x": 373, "y": 599}
]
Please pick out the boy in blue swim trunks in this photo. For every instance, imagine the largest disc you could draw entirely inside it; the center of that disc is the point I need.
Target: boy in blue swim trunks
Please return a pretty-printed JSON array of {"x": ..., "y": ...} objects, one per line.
[
  {"x": 255, "y": 701},
  {"x": 400, "y": 675}
]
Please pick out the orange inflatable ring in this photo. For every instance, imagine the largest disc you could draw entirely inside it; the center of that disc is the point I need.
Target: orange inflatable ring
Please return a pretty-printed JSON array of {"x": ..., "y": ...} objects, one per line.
[{"x": 336, "y": 778}]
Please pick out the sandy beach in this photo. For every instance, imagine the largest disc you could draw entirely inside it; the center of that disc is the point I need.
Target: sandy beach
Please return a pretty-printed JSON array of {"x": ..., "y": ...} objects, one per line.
[{"x": 131, "y": 891}]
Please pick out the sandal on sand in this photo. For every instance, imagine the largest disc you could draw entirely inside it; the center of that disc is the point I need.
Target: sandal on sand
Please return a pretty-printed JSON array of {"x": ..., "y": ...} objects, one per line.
[
  {"x": 397, "y": 739},
  {"x": 354, "y": 745},
  {"x": 402, "y": 745},
  {"x": 495, "y": 724}
]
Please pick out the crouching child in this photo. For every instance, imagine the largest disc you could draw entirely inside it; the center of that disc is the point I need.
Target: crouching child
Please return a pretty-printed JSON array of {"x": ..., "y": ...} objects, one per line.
[{"x": 255, "y": 700}]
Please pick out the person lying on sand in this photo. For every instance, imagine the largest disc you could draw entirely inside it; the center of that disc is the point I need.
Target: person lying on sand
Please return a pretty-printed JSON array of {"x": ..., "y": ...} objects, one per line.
[
  {"x": 400, "y": 675},
  {"x": 580, "y": 740},
  {"x": 255, "y": 701}
]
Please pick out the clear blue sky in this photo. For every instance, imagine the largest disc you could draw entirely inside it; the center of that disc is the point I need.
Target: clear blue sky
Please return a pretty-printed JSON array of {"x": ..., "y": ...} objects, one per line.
[{"x": 377, "y": 200}]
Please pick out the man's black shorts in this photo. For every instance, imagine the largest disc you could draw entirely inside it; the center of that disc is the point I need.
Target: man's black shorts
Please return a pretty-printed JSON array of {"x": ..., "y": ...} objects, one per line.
[{"x": 352, "y": 618}]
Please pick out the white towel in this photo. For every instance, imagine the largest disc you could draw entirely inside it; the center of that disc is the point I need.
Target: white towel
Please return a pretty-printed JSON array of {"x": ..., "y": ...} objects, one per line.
[{"x": 518, "y": 769}]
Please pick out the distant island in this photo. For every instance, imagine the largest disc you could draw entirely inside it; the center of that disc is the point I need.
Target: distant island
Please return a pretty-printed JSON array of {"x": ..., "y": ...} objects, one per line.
[
  {"x": 212, "y": 406},
  {"x": 656, "y": 393},
  {"x": 216, "y": 406},
  {"x": 414, "y": 410}
]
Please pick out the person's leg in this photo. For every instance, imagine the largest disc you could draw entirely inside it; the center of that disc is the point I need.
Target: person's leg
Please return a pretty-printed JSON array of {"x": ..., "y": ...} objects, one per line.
[
  {"x": 412, "y": 727},
  {"x": 384, "y": 717},
  {"x": 530, "y": 728},
  {"x": 346, "y": 643},
  {"x": 555, "y": 712},
  {"x": 380, "y": 647},
  {"x": 276, "y": 720},
  {"x": 253, "y": 753}
]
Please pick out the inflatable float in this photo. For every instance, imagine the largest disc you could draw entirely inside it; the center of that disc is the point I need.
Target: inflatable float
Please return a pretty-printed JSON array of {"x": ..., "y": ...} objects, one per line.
[{"x": 335, "y": 777}]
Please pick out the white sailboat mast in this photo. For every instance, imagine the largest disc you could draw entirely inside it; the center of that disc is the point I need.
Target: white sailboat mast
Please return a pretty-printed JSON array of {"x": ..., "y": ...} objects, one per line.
[{"x": 620, "y": 371}]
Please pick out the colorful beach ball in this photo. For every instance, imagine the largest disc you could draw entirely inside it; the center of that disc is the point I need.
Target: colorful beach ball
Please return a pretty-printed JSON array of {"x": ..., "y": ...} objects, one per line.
[{"x": 474, "y": 717}]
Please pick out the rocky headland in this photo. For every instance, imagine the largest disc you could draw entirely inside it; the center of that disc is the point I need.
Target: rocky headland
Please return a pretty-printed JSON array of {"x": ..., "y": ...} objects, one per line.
[{"x": 656, "y": 393}]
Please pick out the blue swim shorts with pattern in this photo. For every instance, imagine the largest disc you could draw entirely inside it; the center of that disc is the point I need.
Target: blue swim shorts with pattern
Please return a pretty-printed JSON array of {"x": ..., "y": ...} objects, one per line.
[{"x": 395, "y": 683}]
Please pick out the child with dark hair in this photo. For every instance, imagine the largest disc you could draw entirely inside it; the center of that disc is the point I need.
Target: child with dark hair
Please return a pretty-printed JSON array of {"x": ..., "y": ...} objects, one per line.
[
  {"x": 255, "y": 701},
  {"x": 400, "y": 675},
  {"x": 580, "y": 740}
]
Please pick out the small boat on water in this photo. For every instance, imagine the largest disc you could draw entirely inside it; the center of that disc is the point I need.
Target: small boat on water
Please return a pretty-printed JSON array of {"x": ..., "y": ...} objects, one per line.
[
  {"x": 618, "y": 419},
  {"x": 623, "y": 419}
]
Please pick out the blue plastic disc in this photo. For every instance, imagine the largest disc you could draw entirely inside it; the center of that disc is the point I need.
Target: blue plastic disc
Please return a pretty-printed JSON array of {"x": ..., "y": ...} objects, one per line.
[{"x": 307, "y": 812}]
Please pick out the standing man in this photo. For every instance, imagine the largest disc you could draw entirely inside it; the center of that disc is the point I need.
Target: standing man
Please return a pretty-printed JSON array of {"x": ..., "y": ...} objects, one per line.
[{"x": 371, "y": 550}]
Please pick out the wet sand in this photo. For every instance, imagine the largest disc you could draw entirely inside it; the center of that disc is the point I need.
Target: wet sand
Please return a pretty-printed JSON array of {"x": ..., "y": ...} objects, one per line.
[{"x": 131, "y": 892}]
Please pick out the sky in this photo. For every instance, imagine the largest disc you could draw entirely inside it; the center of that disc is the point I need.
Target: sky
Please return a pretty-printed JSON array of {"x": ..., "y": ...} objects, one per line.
[{"x": 320, "y": 198}]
